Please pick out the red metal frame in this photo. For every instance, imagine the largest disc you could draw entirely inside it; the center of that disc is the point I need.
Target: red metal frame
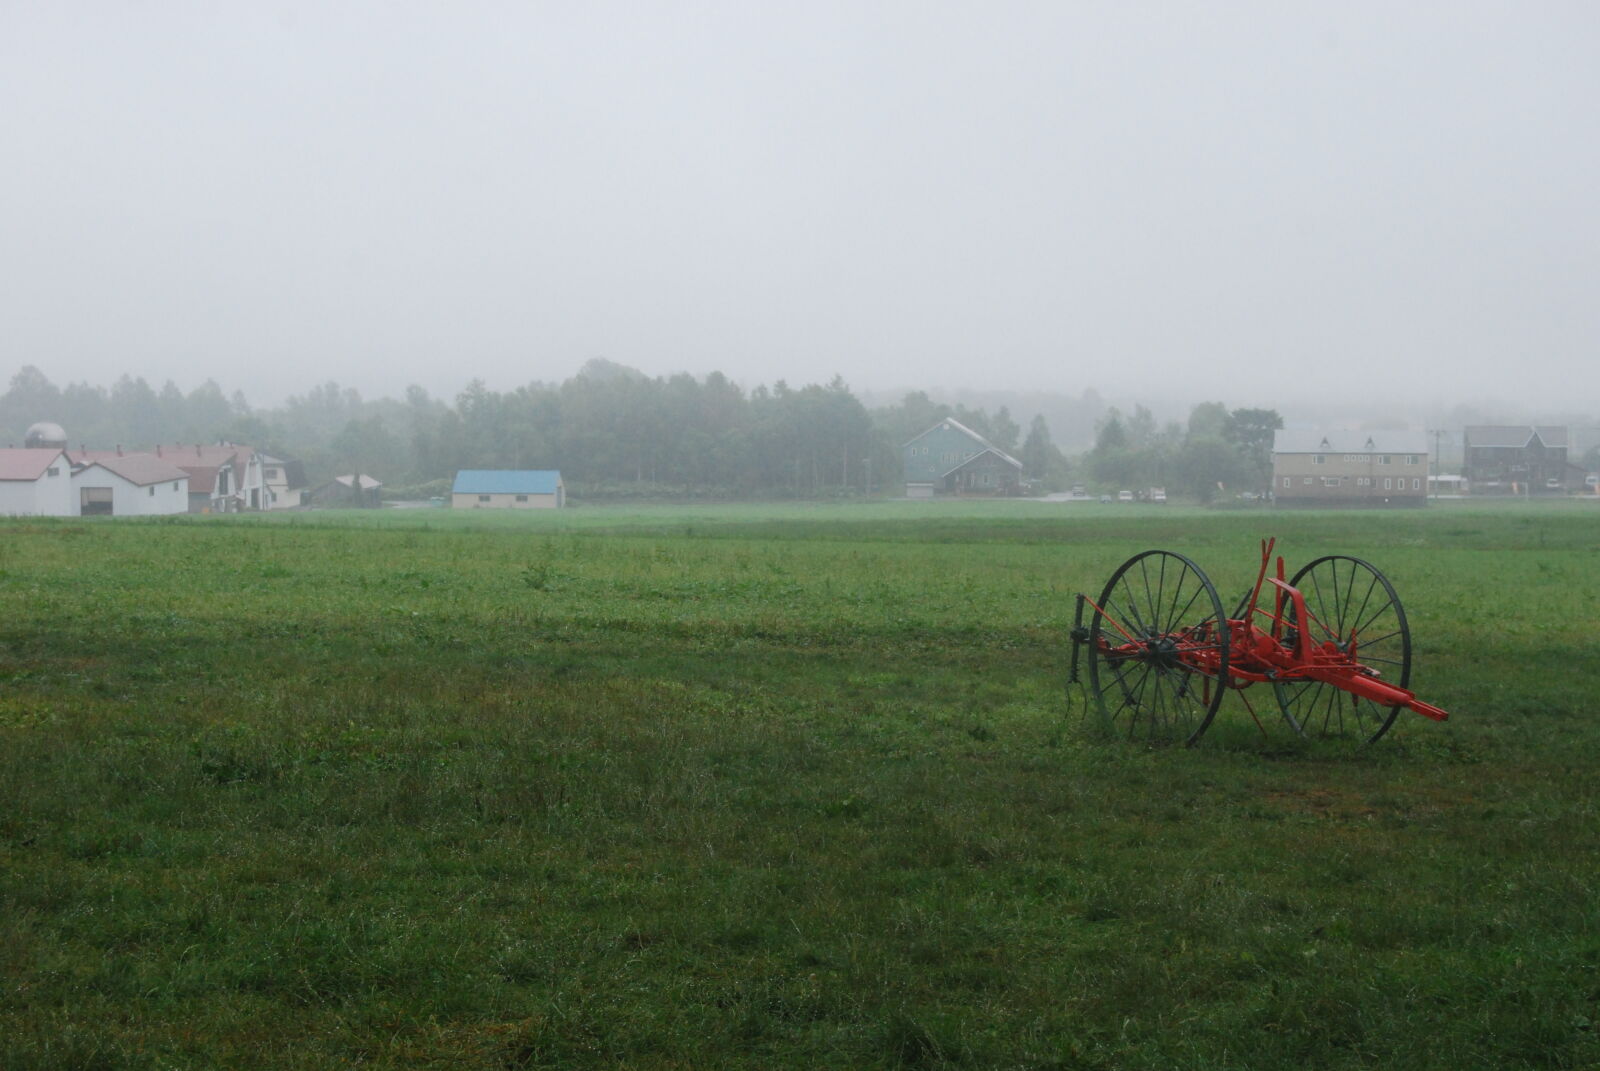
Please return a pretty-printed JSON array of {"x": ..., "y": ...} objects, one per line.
[{"x": 1258, "y": 655}]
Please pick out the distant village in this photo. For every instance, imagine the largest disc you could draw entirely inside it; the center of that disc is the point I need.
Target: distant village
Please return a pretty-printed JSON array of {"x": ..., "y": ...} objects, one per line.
[
  {"x": 1383, "y": 469},
  {"x": 46, "y": 478}
]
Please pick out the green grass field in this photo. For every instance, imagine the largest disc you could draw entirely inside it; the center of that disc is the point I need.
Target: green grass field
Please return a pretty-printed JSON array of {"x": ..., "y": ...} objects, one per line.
[{"x": 778, "y": 786}]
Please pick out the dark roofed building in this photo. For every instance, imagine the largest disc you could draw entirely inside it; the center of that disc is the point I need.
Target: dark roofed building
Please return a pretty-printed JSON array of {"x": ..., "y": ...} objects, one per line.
[
  {"x": 1506, "y": 459},
  {"x": 350, "y": 491}
]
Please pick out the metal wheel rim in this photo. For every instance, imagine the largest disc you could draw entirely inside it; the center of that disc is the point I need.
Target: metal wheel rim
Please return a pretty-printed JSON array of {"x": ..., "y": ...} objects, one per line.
[
  {"x": 1152, "y": 594},
  {"x": 1345, "y": 593}
]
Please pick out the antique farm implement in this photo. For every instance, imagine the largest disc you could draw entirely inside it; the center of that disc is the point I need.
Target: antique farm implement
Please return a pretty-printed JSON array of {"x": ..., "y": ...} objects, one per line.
[{"x": 1332, "y": 643}]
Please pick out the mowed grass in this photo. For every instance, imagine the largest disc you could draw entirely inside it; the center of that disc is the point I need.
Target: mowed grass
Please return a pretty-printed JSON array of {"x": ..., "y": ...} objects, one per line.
[{"x": 777, "y": 786}]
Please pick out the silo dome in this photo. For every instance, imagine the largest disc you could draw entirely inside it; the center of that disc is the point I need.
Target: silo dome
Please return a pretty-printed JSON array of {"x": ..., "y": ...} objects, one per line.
[{"x": 46, "y": 433}]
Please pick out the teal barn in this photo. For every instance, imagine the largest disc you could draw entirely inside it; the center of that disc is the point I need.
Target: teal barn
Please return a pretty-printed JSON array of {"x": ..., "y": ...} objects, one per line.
[{"x": 952, "y": 459}]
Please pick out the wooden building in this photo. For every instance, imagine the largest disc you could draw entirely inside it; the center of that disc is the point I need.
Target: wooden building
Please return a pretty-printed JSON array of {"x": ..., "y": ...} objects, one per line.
[
  {"x": 354, "y": 490},
  {"x": 952, "y": 459},
  {"x": 1500, "y": 459},
  {"x": 1350, "y": 468}
]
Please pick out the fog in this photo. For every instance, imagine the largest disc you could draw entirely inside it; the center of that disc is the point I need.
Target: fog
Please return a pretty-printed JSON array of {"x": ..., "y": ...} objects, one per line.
[{"x": 1289, "y": 205}]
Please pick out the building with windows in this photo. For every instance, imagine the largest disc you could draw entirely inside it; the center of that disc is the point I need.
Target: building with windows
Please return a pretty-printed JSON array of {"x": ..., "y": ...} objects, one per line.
[
  {"x": 1350, "y": 468},
  {"x": 284, "y": 482},
  {"x": 508, "y": 489},
  {"x": 36, "y": 481},
  {"x": 1518, "y": 460},
  {"x": 952, "y": 459},
  {"x": 130, "y": 485}
]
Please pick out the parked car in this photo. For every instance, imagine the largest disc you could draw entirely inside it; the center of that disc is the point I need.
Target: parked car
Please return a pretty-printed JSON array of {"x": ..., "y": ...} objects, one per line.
[{"x": 1124, "y": 496}]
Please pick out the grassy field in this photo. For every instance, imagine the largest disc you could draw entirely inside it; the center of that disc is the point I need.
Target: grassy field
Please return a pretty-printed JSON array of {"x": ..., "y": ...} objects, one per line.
[{"x": 777, "y": 786}]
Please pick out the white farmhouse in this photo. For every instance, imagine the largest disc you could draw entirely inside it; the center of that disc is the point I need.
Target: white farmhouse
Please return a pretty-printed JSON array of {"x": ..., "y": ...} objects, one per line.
[
  {"x": 36, "y": 482},
  {"x": 133, "y": 485}
]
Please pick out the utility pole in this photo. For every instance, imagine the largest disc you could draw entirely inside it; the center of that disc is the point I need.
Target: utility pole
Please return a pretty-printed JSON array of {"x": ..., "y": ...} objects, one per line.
[{"x": 1437, "y": 433}]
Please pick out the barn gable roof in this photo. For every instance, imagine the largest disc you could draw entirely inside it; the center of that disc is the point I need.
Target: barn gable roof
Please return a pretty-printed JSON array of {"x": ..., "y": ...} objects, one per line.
[
  {"x": 1515, "y": 435},
  {"x": 506, "y": 482},
  {"x": 956, "y": 425},
  {"x": 141, "y": 470},
  {"x": 27, "y": 462},
  {"x": 989, "y": 452},
  {"x": 1349, "y": 442}
]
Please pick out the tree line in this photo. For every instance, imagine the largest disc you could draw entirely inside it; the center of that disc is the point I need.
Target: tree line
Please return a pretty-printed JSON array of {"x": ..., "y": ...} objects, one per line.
[{"x": 614, "y": 431}]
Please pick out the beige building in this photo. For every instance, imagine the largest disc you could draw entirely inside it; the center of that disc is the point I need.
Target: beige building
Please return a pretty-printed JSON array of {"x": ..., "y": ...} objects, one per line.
[
  {"x": 508, "y": 489},
  {"x": 1350, "y": 468}
]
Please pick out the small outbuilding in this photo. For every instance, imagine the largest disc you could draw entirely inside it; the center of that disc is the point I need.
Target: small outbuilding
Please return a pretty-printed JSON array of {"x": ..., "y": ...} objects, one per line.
[
  {"x": 508, "y": 489},
  {"x": 131, "y": 485},
  {"x": 350, "y": 491},
  {"x": 36, "y": 482}
]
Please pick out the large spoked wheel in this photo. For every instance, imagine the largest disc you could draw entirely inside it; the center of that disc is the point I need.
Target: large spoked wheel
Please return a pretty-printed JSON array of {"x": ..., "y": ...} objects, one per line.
[
  {"x": 1353, "y": 606},
  {"x": 1158, "y": 649}
]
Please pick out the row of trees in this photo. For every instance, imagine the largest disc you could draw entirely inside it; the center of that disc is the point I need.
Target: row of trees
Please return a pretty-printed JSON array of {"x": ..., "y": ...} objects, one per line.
[
  {"x": 612, "y": 429},
  {"x": 1218, "y": 451}
]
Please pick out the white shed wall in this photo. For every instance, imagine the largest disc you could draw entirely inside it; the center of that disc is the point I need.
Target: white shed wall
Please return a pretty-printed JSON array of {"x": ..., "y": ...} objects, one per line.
[
  {"x": 129, "y": 499},
  {"x": 48, "y": 496}
]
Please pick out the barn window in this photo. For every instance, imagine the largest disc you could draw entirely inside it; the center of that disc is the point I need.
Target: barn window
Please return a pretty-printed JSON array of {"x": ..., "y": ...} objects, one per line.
[
  {"x": 1411, "y": 459},
  {"x": 53, "y": 470},
  {"x": 1416, "y": 483},
  {"x": 1287, "y": 481},
  {"x": 1332, "y": 481},
  {"x": 1383, "y": 459},
  {"x": 152, "y": 490},
  {"x": 522, "y": 498},
  {"x": 1386, "y": 482},
  {"x": 1309, "y": 481},
  {"x": 483, "y": 498},
  {"x": 1317, "y": 459},
  {"x": 174, "y": 485}
]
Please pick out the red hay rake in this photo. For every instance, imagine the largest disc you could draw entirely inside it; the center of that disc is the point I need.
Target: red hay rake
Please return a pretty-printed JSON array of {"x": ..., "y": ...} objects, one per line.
[{"x": 1333, "y": 644}]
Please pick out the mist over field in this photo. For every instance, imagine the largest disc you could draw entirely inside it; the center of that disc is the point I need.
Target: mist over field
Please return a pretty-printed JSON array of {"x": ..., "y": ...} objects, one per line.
[{"x": 1370, "y": 211}]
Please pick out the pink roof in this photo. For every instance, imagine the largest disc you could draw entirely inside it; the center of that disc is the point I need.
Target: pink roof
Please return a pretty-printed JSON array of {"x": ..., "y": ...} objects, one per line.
[
  {"x": 142, "y": 469},
  {"x": 27, "y": 463},
  {"x": 213, "y": 454}
]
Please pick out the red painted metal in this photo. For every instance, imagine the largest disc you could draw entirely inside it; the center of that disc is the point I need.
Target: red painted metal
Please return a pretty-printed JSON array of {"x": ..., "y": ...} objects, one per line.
[{"x": 1261, "y": 649}]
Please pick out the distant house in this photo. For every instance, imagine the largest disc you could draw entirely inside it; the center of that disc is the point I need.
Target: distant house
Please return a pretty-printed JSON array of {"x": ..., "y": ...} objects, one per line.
[
  {"x": 351, "y": 491},
  {"x": 952, "y": 459},
  {"x": 508, "y": 489},
  {"x": 223, "y": 477},
  {"x": 130, "y": 485},
  {"x": 1518, "y": 459},
  {"x": 284, "y": 481},
  {"x": 36, "y": 482},
  {"x": 1350, "y": 468}
]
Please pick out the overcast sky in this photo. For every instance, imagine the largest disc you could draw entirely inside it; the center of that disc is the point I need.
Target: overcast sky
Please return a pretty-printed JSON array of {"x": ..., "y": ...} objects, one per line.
[{"x": 1262, "y": 203}]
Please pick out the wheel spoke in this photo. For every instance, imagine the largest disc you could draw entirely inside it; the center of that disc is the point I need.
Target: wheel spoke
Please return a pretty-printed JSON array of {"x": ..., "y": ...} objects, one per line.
[
  {"x": 1149, "y": 689},
  {"x": 1345, "y": 598}
]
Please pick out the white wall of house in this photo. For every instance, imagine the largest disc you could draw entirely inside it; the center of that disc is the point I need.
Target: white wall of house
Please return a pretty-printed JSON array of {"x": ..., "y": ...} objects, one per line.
[
  {"x": 283, "y": 497},
  {"x": 128, "y": 499},
  {"x": 459, "y": 501},
  {"x": 48, "y": 496}
]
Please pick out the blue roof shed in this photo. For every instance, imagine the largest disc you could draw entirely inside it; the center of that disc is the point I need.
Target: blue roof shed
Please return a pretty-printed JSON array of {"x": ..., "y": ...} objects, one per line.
[{"x": 507, "y": 482}]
